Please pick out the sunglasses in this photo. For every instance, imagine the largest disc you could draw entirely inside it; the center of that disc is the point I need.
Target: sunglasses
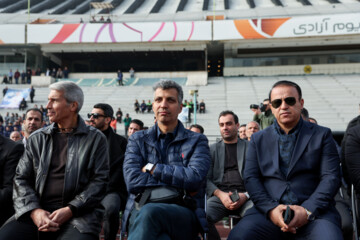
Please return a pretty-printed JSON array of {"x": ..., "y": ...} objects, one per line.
[
  {"x": 95, "y": 115},
  {"x": 289, "y": 101}
]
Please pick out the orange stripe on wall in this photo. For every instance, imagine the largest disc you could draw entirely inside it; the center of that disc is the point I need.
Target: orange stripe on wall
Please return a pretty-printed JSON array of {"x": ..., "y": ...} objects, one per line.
[
  {"x": 270, "y": 26},
  {"x": 246, "y": 30},
  {"x": 65, "y": 32}
]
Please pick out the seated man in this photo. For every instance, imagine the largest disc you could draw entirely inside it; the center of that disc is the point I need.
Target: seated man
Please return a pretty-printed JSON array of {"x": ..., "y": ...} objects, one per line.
[
  {"x": 225, "y": 176},
  {"x": 294, "y": 164},
  {"x": 9, "y": 157},
  {"x": 166, "y": 158},
  {"x": 135, "y": 125},
  {"x": 251, "y": 128},
  {"x": 62, "y": 176}
]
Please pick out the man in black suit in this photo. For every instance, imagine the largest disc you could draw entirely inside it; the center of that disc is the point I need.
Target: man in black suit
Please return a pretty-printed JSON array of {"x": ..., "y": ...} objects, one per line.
[
  {"x": 10, "y": 153},
  {"x": 116, "y": 194}
]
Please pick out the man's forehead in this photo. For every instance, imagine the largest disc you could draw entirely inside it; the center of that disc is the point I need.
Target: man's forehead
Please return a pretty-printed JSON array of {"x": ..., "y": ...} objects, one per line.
[
  {"x": 134, "y": 125},
  {"x": 284, "y": 90},
  {"x": 97, "y": 110},
  {"x": 33, "y": 114},
  {"x": 226, "y": 118},
  {"x": 56, "y": 93},
  {"x": 168, "y": 93}
]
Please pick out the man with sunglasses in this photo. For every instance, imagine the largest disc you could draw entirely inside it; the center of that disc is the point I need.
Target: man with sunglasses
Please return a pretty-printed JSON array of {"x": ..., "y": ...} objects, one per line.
[
  {"x": 292, "y": 164},
  {"x": 116, "y": 194}
]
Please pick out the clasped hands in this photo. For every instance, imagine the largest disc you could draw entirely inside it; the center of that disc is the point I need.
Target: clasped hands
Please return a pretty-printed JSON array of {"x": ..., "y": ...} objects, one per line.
[
  {"x": 300, "y": 218},
  {"x": 50, "y": 222},
  {"x": 227, "y": 202}
]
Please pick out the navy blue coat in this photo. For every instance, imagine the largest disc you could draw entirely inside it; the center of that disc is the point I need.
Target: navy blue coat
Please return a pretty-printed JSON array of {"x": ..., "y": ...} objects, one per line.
[
  {"x": 188, "y": 163},
  {"x": 314, "y": 172}
]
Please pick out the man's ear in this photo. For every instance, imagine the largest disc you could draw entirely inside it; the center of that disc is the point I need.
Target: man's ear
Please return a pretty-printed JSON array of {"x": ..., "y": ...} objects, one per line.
[{"x": 74, "y": 106}]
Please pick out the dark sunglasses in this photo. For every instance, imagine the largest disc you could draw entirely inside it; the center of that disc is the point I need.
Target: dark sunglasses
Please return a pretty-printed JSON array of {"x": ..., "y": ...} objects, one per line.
[
  {"x": 95, "y": 115},
  {"x": 289, "y": 101}
]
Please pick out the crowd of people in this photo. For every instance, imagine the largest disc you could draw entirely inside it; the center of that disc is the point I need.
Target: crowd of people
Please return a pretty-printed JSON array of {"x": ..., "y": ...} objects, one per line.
[
  {"x": 279, "y": 173},
  {"x": 24, "y": 77}
]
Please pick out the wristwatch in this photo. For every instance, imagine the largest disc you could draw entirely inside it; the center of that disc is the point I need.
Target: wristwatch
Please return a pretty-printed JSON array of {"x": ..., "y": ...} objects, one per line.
[
  {"x": 309, "y": 217},
  {"x": 247, "y": 195},
  {"x": 149, "y": 167}
]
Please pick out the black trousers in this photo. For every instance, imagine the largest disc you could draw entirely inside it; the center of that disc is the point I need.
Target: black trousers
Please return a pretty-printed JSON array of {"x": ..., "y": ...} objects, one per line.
[{"x": 25, "y": 229}]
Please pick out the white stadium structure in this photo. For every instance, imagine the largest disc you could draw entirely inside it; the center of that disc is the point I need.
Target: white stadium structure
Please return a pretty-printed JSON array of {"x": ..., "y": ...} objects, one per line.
[{"x": 231, "y": 51}]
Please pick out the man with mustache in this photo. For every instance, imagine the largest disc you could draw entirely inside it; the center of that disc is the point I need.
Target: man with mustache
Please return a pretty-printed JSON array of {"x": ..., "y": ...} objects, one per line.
[
  {"x": 116, "y": 194},
  {"x": 32, "y": 122},
  {"x": 62, "y": 176},
  {"x": 291, "y": 167}
]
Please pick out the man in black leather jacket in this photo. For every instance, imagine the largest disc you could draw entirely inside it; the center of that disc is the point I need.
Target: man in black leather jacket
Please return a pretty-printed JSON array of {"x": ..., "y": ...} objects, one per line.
[{"x": 62, "y": 176}]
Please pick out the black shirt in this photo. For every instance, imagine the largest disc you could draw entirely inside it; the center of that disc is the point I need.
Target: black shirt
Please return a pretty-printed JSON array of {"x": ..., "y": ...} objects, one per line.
[{"x": 231, "y": 179}]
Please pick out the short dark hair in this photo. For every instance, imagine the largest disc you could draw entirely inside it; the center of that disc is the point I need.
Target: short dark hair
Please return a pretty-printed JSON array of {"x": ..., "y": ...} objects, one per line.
[
  {"x": 198, "y": 127},
  {"x": 108, "y": 110},
  {"x": 35, "y": 110},
  {"x": 266, "y": 99},
  {"x": 138, "y": 122},
  {"x": 242, "y": 125},
  {"x": 286, "y": 83},
  {"x": 226, "y": 112},
  {"x": 310, "y": 118}
]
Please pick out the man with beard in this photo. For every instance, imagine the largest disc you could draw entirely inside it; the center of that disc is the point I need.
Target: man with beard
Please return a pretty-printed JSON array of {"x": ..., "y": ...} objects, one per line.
[
  {"x": 33, "y": 121},
  {"x": 225, "y": 176},
  {"x": 116, "y": 194}
]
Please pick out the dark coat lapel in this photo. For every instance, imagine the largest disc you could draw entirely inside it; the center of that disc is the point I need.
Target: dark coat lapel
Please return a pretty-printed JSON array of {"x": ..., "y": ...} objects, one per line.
[{"x": 301, "y": 143}]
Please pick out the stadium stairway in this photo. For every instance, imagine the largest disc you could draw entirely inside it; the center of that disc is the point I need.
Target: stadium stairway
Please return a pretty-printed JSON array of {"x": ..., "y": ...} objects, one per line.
[{"x": 332, "y": 100}]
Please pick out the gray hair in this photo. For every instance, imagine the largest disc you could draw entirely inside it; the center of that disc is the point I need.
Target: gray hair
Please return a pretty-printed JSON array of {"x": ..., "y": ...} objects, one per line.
[
  {"x": 72, "y": 92},
  {"x": 167, "y": 84},
  {"x": 258, "y": 125}
]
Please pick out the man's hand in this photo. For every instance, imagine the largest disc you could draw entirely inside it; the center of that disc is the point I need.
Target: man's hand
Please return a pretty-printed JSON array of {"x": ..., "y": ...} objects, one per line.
[
  {"x": 61, "y": 215},
  {"x": 276, "y": 216},
  {"x": 239, "y": 203},
  {"x": 256, "y": 111},
  {"x": 299, "y": 220},
  {"x": 224, "y": 198},
  {"x": 41, "y": 219}
]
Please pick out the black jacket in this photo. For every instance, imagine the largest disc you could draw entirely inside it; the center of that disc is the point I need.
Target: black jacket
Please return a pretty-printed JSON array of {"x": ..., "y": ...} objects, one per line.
[
  {"x": 352, "y": 155},
  {"x": 86, "y": 174},
  {"x": 117, "y": 148},
  {"x": 10, "y": 153}
]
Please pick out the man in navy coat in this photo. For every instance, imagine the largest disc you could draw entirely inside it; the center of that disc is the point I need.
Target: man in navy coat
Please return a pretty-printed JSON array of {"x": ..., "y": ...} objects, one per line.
[{"x": 292, "y": 163}]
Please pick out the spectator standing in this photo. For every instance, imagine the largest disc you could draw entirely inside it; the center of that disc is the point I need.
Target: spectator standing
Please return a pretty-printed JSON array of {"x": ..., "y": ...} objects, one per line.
[
  {"x": 127, "y": 121},
  {"x": 264, "y": 119},
  {"x": 32, "y": 94},
  {"x": 132, "y": 72},
  {"x": 23, "y": 77},
  {"x": 66, "y": 72},
  {"x": 11, "y": 75},
  {"x": 7, "y": 131},
  {"x": 120, "y": 77},
  {"x": 28, "y": 75},
  {"x": 48, "y": 72},
  {"x": 53, "y": 73},
  {"x": 38, "y": 72},
  {"x": 17, "y": 76},
  {"x": 119, "y": 115},
  {"x": 59, "y": 73}
]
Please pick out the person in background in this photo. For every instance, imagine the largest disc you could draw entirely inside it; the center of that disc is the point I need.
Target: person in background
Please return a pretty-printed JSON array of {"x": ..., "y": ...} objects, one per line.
[
  {"x": 242, "y": 131},
  {"x": 196, "y": 128},
  {"x": 135, "y": 125},
  {"x": 15, "y": 136}
]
